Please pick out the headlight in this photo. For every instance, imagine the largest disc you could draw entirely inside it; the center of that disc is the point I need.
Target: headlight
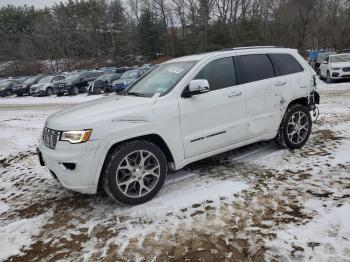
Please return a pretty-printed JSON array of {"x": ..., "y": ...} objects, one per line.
[
  {"x": 75, "y": 137},
  {"x": 335, "y": 68},
  {"x": 69, "y": 83}
]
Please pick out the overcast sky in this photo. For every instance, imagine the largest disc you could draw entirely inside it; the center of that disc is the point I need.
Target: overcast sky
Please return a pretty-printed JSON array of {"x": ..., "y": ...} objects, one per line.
[{"x": 36, "y": 3}]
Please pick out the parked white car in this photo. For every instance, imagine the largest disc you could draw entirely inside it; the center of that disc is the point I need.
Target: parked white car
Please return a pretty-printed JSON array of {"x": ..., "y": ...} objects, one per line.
[
  {"x": 45, "y": 86},
  {"x": 335, "y": 67},
  {"x": 184, "y": 110}
]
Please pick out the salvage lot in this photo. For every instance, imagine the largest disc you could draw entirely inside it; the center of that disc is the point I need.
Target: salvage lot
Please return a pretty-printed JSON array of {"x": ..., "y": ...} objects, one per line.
[{"x": 254, "y": 203}]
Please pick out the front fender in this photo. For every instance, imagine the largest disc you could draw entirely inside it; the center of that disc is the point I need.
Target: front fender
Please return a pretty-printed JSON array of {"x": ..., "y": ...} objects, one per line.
[{"x": 109, "y": 143}]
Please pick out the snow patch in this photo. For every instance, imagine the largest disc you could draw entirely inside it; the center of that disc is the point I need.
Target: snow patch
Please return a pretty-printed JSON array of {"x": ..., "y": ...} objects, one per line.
[
  {"x": 3, "y": 207},
  {"x": 19, "y": 234},
  {"x": 324, "y": 238}
]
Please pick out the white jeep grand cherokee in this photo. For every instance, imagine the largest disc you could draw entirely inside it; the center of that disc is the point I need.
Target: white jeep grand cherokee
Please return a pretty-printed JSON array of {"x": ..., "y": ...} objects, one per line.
[{"x": 184, "y": 110}]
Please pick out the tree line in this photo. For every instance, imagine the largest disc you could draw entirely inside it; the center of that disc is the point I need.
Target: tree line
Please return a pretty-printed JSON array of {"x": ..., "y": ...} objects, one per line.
[{"x": 117, "y": 30}]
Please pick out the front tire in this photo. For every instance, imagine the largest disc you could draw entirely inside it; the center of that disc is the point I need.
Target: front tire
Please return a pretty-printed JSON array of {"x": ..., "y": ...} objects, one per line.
[
  {"x": 74, "y": 91},
  {"x": 295, "y": 128},
  {"x": 135, "y": 172},
  {"x": 329, "y": 79},
  {"x": 49, "y": 91}
]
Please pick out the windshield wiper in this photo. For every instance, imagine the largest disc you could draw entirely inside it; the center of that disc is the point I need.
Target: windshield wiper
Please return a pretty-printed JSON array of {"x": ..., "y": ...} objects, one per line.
[{"x": 135, "y": 94}]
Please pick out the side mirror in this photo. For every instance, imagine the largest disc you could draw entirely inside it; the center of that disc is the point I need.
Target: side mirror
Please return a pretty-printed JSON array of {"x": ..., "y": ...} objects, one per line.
[
  {"x": 198, "y": 86},
  {"x": 325, "y": 62}
]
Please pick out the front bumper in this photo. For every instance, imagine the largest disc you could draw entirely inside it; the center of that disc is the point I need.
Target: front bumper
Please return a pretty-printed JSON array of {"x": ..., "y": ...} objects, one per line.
[
  {"x": 21, "y": 91},
  {"x": 95, "y": 88},
  {"x": 84, "y": 156},
  {"x": 340, "y": 74},
  {"x": 119, "y": 87},
  {"x": 37, "y": 92},
  {"x": 62, "y": 89}
]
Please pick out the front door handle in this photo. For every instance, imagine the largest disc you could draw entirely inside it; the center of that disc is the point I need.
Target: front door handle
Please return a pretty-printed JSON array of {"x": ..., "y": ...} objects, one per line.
[
  {"x": 235, "y": 93},
  {"x": 281, "y": 83}
]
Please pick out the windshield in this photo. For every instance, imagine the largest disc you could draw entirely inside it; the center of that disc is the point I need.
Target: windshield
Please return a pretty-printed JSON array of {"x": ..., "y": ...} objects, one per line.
[
  {"x": 6, "y": 82},
  {"x": 104, "y": 77},
  {"x": 73, "y": 76},
  {"x": 161, "y": 79},
  {"x": 129, "y": 74},
  {"x": 29, "y": 80},
  {"x": 322, "y": 56},
  {"x": 45, "y": 80},
  {"x": 340, "y": 58}
]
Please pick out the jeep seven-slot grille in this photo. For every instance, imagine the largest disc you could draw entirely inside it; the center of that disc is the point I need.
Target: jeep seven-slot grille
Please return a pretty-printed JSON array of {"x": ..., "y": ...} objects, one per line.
[{"x": 50, "y": 137}]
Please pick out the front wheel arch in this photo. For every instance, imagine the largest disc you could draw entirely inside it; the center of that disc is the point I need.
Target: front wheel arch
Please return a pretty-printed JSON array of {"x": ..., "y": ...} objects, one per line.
[
  {"x": 153, "y": 138},
  {"x": 109, "y": 177}
]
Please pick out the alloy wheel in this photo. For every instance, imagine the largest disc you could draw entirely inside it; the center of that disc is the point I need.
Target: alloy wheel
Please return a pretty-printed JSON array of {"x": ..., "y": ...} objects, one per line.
[
  {"x": 138, "y": 173},
  {"x": 298, "y": 127}
]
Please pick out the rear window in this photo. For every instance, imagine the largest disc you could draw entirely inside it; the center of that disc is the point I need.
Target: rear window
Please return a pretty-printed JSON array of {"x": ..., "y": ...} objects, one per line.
[
  {"x": 285, "y": 64},
  {"x": 257, "y": 67}
]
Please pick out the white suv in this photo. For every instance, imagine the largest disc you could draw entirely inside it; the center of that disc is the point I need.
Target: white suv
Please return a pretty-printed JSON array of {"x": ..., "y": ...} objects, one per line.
[
  {"x": 335, "y": 67},
  {"x": 183, "y": 110}
]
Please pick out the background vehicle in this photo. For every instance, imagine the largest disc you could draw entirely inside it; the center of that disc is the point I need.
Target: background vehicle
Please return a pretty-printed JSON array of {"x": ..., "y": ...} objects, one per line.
[
  {"x": 6, "y": 87},
  {"x": 121, "y": 70},
  {"x": 45, "y": 86},
  {"x": 103, "y": 84},
  {"x": 182, "y": 111},
  {"x": 24, "y": 89},
  {"x": 127, "y": 79},
  {"x": 316, "y": 58},
  {"x": 335, "y": 67},
  {"x": 76, "y": 82}
]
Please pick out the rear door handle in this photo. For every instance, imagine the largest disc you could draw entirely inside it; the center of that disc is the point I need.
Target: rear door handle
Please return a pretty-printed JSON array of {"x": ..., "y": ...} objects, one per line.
[
  {"x": 234, "y": 93},
  {"x": 280, "y": 83}
]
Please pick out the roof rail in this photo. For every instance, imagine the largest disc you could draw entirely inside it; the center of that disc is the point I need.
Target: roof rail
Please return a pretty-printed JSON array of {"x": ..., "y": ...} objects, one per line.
[{"x": 248, "y": 47}]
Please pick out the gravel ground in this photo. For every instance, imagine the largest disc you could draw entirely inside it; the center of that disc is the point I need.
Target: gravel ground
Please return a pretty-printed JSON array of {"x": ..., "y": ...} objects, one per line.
[{"x": 257, "y": 203}]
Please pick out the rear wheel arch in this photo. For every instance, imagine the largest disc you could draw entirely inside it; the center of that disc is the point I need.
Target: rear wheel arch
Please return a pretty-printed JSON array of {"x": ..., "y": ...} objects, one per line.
[
  {"x": 301, "y": 103},
  {"x": 304, "y": 101}
]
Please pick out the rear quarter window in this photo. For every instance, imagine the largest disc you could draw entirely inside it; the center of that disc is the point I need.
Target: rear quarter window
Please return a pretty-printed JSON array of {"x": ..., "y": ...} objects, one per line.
[{"x": 285, "y": 64}]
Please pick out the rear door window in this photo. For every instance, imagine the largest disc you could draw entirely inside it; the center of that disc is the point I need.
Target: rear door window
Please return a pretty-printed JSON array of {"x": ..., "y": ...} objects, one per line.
[
  {"x": 256, "y": 67},
  {"x": 220, "y": 73},
  {"x": 285, "y": 64}
]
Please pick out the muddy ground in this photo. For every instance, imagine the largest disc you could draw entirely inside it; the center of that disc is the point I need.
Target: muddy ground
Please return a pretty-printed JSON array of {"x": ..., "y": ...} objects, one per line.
[{"x": 237, "y": 206}]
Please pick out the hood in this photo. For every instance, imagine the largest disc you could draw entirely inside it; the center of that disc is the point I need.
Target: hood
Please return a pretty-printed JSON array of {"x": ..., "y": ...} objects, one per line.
[
  {"x": 88, "y": 115},
  {"x": 99, "y": 82},
  {"x": 340, "y": 64},
  {"x": 38, "y": 86},
  {"x": 19, "y": 86},
  {"x": 4, "y": 86},
  {"x": 61, "y": 82},
  {"x": 124, "y": 81}
]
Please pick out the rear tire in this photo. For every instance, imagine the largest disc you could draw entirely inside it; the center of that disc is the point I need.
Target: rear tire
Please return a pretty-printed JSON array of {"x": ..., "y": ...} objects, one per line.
[
  {"x": 135, "y": 172},
  {"x": 295, "y": 128}
]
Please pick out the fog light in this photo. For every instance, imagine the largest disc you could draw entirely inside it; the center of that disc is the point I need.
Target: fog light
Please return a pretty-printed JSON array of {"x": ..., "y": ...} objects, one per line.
[{"x": 68, "y": 166}]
